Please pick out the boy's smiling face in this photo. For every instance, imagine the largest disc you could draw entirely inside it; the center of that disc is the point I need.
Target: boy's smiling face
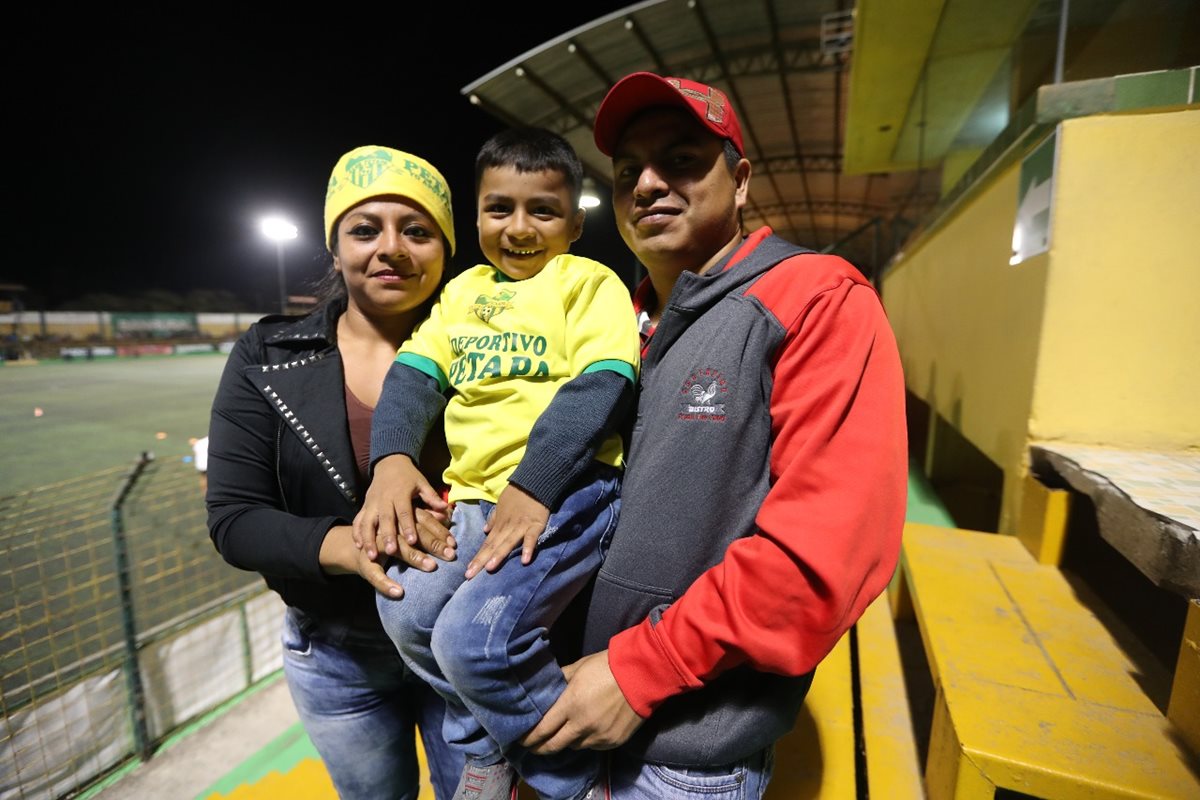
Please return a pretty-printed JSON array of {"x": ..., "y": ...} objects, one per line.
[{"x": 525, "y": 219}]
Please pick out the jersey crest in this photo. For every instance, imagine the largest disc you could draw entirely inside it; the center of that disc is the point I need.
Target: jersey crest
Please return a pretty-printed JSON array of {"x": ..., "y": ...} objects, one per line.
[{"x": 486, "y": 307}]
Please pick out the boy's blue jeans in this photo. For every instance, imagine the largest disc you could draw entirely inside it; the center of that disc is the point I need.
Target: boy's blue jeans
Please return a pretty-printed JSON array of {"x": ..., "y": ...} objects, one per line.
[{"x": 483, "y": 645}]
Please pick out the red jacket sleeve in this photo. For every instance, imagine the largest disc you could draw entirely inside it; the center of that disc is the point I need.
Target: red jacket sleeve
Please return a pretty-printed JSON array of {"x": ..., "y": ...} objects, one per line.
[{"x": 828, "y": 531}]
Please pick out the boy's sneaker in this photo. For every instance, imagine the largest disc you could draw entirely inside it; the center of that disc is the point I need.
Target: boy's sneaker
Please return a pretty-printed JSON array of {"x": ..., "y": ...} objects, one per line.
[{"x": 491, "y": 782}]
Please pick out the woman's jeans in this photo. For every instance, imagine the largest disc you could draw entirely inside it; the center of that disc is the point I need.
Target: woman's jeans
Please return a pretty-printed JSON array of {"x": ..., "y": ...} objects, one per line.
[
  {"x": 482, "y": 644},
  {"x": 359, "y": 706}
]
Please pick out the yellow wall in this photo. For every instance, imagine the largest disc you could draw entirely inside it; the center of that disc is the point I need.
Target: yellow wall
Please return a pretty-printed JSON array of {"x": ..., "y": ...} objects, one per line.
[
  {"x": 1120, "y": 352},
  {"x": 968, "y": 325},
  {"x": 955, "y": 164},
  {"x": 1097, "y": 341}
]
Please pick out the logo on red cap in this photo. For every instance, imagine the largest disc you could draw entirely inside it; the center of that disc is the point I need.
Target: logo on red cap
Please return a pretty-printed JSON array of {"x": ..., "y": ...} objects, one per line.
[
  {"x": 714, "y": 100},
  {"x": 709, "y": 106}
]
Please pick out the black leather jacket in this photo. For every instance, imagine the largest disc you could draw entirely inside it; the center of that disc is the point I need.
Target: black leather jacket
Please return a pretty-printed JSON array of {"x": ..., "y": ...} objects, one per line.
[{"x": 281, "y": 468}]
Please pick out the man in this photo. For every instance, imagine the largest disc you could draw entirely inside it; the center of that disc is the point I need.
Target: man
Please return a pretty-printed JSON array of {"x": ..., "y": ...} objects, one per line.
[{"x": 764, "y": 496}]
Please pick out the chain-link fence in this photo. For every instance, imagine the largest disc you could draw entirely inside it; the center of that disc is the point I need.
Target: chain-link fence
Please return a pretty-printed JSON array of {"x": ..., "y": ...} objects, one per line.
[{"x": 119, "y": 622}]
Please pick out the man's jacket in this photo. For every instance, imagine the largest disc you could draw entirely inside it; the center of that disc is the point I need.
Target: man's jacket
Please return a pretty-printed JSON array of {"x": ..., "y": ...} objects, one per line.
[{"x": 763, "y": 499}]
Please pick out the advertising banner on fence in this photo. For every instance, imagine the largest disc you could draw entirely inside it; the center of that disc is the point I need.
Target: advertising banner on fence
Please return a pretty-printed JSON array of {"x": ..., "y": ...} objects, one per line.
[
  {"x": 162, "y": 324},
  {"x": 188, "y": 349},
  {"x": 145, "y": 350}
]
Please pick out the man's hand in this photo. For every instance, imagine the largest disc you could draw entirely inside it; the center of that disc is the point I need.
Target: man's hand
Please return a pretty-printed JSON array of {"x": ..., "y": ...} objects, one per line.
[
  {"x": 388, "y": 509},
  {"x": 591, "y": 713},
  {"x": 517, "y": 520}
]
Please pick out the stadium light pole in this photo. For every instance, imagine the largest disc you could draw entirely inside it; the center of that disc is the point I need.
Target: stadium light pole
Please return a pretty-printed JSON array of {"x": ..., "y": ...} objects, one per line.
[{"x": 279, "y": 230}]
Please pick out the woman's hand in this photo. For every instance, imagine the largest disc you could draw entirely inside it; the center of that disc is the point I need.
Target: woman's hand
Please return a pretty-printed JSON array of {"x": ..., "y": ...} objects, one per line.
[
  {"x": 388, "y": 510},
  {"x": 341, "y": 556},
  {"x": 518, "y": 519}
]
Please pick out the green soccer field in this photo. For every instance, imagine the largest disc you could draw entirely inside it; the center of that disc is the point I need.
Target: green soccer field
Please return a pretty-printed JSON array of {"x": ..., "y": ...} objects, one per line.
[{"x": 99, "y": 414}]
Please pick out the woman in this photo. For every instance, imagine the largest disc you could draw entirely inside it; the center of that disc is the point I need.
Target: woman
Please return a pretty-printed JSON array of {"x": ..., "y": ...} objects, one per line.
[{"x": 287, "y": 463}]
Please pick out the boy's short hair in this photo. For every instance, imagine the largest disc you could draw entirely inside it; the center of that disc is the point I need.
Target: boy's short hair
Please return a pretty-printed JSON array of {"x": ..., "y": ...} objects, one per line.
[{"x": 531, "y": 150}]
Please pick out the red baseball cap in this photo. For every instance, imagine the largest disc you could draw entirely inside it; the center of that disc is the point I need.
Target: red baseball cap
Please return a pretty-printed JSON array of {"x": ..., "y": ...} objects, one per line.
[{"x": 642, "y": 90}]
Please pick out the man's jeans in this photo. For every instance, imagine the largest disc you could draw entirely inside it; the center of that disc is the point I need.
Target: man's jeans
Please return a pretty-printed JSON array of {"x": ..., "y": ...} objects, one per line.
[
  {"x": 359, "y": 706},
  {"x": 482, "y": 644},
  {"x": 633, "y": 779}
]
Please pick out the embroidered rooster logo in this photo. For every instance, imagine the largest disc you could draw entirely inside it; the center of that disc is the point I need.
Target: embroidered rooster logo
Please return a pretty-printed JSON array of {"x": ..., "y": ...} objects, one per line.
[
  {"x": 698, "y": 393},
  {"x": 701, "y": 395},
  {"x": 486, "y": 307}
]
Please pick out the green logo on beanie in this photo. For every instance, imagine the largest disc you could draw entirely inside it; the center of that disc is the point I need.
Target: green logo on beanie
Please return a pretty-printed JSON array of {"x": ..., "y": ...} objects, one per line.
[{"x": 365, "y": 169}]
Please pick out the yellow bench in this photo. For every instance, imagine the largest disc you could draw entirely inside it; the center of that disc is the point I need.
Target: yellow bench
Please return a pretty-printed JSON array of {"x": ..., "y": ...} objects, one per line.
[
  {"x": 816, "y": 759},
  {"x": 819, "y": 759},
  {"x": 1033, "y": 693},
  {"x": 893, "y": 769}
]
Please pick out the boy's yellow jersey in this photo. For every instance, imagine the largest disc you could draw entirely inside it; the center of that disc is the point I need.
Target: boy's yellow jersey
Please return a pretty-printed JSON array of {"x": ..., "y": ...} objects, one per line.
[{"x": 505, "y": 347}]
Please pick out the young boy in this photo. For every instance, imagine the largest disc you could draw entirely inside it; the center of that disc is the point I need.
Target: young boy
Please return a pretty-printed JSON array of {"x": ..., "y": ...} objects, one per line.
[{"x": 539, "y": 352}]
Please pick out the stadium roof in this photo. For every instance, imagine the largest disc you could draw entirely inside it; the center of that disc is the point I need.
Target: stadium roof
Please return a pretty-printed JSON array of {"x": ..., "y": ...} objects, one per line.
[{"x": 783, "y": 63}]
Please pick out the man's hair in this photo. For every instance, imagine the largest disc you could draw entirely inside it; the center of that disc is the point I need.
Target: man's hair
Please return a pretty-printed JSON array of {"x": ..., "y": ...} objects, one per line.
[
  {"x": 732, "y": 156},
  {"x": 531, "y": 150}
]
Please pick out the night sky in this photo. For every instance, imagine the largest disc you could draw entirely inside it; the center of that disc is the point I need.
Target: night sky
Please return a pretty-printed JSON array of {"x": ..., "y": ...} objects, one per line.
[{"x": 146, "y": 150}]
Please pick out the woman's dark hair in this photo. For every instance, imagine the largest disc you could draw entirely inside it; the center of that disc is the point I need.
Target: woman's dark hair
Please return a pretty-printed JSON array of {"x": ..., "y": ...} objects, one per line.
[
  {"x": 329, "y": 289},
  {"x": 531, "y": 150}
]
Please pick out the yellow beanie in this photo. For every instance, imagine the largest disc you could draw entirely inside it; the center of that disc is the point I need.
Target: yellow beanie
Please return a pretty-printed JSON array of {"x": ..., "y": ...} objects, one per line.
[{"x": 372, "y": 171}]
